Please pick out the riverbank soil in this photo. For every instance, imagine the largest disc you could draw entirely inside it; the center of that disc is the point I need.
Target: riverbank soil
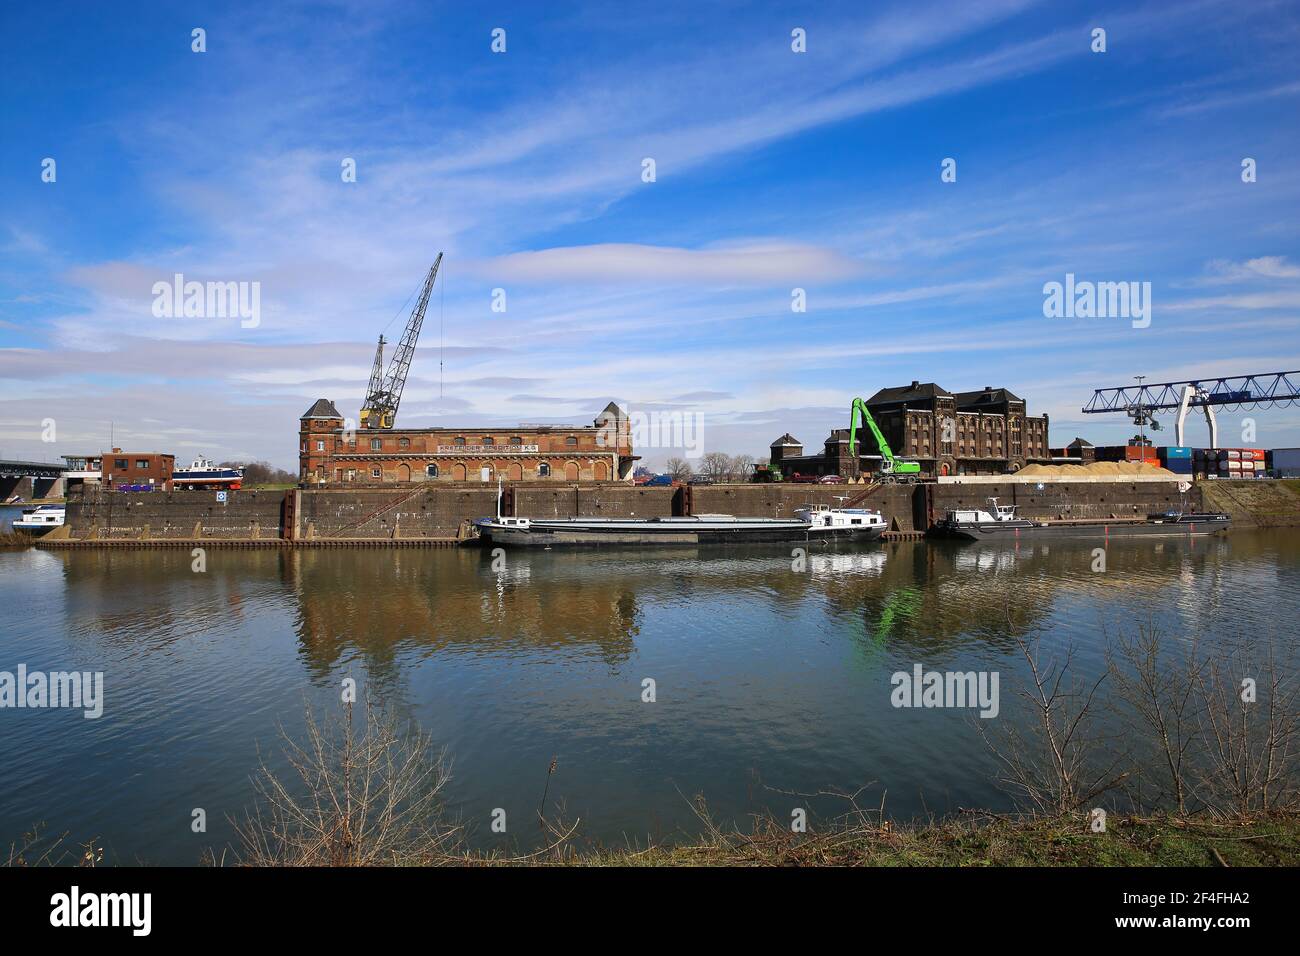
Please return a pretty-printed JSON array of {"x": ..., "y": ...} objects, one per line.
[{"x": 1255, "y": 503}]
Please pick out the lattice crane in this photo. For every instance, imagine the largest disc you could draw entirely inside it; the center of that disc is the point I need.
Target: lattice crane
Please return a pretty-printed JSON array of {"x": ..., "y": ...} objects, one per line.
[
  {"x": 383, "y": 395},
  {"x": 1231, "y": 392}
]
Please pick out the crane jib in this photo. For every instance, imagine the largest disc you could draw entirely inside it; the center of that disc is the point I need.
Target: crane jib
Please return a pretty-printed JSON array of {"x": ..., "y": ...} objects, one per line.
[{"x": 383, "y": 395}]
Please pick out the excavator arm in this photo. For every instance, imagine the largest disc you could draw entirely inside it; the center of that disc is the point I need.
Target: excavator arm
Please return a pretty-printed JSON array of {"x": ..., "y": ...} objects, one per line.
[{"x": 890, "y": 464}]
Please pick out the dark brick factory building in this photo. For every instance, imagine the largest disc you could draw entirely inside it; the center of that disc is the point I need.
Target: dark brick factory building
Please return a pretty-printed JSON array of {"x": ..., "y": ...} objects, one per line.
[{"x": 985, "y": 432}]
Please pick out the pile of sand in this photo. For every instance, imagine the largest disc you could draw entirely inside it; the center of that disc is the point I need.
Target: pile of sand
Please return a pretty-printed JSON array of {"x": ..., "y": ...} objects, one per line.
[{"x": 1096, "y": 469}]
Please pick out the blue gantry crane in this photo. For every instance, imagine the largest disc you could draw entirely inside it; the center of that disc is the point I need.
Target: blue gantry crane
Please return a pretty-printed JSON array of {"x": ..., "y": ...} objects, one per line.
[{"x": 1230, "y": 393}]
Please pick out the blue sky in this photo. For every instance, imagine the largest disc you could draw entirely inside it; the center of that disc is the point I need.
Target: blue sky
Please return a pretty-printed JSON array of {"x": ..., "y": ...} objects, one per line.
[{"x": 775, "y": 170}]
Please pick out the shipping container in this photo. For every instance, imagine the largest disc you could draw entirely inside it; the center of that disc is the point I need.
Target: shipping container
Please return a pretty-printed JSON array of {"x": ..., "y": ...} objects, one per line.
[
  {"x": 1179, "y": 466},
  {"x": 1174, "y": 451},
  {"x": 1280, "y": 459}
]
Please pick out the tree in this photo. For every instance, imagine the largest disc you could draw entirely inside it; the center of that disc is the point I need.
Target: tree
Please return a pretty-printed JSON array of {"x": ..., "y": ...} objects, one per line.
[
  {"x": 716, "y": 465},
  {"x": 679, "y": 468},
  {"x": 261, "y": 473},
  {"x": 741, "y": 466}
]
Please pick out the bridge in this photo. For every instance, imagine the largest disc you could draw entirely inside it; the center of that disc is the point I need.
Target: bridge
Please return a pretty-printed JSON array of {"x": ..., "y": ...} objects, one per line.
[{"x": 44, "y": 477}]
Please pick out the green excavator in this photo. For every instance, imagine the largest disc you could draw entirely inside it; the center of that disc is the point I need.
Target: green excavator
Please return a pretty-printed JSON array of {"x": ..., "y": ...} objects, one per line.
[{"x": 891, "y": 468}]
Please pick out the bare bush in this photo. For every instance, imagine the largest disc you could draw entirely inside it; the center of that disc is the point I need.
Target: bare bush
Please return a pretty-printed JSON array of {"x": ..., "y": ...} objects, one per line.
[
  {"x": 35, "y": 848},
  {"x": 1249, "y": 740},
  {"x": 362, "y": 797},
  {"x": 1057, "y": 763},
  {"x": 1162, "y": 696}
]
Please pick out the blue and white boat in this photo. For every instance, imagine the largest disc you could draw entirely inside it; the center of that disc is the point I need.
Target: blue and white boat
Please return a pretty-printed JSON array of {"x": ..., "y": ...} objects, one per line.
[{"x": 204, "y": 473}]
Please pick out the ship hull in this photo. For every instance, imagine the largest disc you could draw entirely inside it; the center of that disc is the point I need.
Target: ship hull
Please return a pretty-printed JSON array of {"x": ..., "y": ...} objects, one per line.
[
  {"x": 1100, "y": 530},
  {"x": 651, "y": 535}
]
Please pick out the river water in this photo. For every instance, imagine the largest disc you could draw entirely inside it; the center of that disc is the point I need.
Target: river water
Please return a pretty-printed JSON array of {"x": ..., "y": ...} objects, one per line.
[{"x": 771, "y": 672}]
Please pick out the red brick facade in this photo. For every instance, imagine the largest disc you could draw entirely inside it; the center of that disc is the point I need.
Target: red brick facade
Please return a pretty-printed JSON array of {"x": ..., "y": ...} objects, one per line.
[
  {"x": 328, "y": 453},
  {"x": 137, "y": 468}
]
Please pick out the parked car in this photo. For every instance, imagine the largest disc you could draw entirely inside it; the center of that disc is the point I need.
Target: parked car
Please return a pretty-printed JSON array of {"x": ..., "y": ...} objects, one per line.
[
  {"x": 804, "y": 479},
  {"x": 830, "y": 480},
  {"x": 700, "y": 480},
  {"x": 658, "y": 481}
]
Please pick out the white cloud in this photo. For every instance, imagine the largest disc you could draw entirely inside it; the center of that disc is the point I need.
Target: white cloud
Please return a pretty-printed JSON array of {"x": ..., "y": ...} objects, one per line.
[{"x": 761, "y": 263}]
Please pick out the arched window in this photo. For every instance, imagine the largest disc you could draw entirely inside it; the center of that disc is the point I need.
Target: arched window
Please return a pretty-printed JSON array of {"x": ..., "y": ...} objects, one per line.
[
  {"x": 544, "y": 470},
  {"x": 516, "y": 440},
  {"x": 489, "y": 440},
  {"x": 403, "y": 443},
  {"x": 459, "y": 440},
  {"x": 571, "y": 441},
  {"x": 431, "y": 469}
]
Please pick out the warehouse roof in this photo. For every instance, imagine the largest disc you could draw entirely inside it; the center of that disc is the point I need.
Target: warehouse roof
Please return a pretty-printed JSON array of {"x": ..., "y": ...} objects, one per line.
[
  {"x": 986, "y": 396},
  {"x": 909, "y": 393}
]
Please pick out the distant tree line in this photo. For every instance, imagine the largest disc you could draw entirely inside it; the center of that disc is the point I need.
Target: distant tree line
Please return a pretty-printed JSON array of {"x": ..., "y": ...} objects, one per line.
[
  {"x": 262, "y": 473},
  {"x": 714, "y": 464}
]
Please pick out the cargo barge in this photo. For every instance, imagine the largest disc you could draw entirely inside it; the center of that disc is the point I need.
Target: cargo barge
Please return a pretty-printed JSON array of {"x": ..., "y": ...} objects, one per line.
[
  {"x": 1000, "y": 523},
  {"x": 814, "y": 523}
]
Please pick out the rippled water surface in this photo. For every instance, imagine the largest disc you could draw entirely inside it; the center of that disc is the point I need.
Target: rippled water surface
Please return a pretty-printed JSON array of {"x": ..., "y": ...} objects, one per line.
[{"x": 767, "y": 679}]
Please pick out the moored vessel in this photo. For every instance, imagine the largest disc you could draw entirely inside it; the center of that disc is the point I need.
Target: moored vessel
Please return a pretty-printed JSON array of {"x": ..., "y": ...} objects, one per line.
[
  {"x": 41, "y": 519},
  {"x": 812, "y": 523},
  {"x": 1000, "y": 522}
]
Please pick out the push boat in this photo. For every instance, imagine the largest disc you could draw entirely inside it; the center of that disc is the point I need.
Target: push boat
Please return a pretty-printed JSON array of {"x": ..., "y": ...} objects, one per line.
[
  {"x": 41, "y": 519},
  {"x": 204, "y": 473},
  {"x": 1000, "y": 522},
  {"x": 811, "y": 523}
]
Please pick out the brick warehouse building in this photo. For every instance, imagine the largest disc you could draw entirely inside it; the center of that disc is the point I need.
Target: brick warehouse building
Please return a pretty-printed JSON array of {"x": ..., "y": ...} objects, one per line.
[
  {"x": 137, "y": 469},
  {"x": 601, "y": 451},
  {"x": 989, "y": 433}
]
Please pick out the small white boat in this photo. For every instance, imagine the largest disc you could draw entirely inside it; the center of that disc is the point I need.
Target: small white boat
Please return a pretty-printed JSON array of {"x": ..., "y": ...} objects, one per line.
[{"x": 41, "y": 519}]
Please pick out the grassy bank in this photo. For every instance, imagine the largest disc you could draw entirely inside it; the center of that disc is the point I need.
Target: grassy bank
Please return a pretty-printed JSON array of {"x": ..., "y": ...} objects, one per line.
[
  {"x": 15, "y": 539},
  {"x": 985, "y": 841}
]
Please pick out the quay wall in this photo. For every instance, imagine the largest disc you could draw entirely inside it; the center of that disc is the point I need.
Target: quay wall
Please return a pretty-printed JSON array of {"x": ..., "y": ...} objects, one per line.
[
  {"x": 443, "y": 512},
  {"x": 112, "y": 515}
]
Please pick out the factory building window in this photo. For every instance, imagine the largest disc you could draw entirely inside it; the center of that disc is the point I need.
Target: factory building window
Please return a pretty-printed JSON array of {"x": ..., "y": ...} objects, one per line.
[
  {"x": 516, "y": 440},
  {"x": 431, "y": 469},
  {"x": 459, "y": 441},
  {"x": 376, "y": 444},
  {"x": 142, "y": 464},
  {"x": 571, "y": 441},
  {"x": 544, "y": 470},
  {"x": 489, "y": 440},
  {"x": 320, "y": 446},
  {"x": 403, "y": 443},
  {"x": 375, "y": 473}
]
